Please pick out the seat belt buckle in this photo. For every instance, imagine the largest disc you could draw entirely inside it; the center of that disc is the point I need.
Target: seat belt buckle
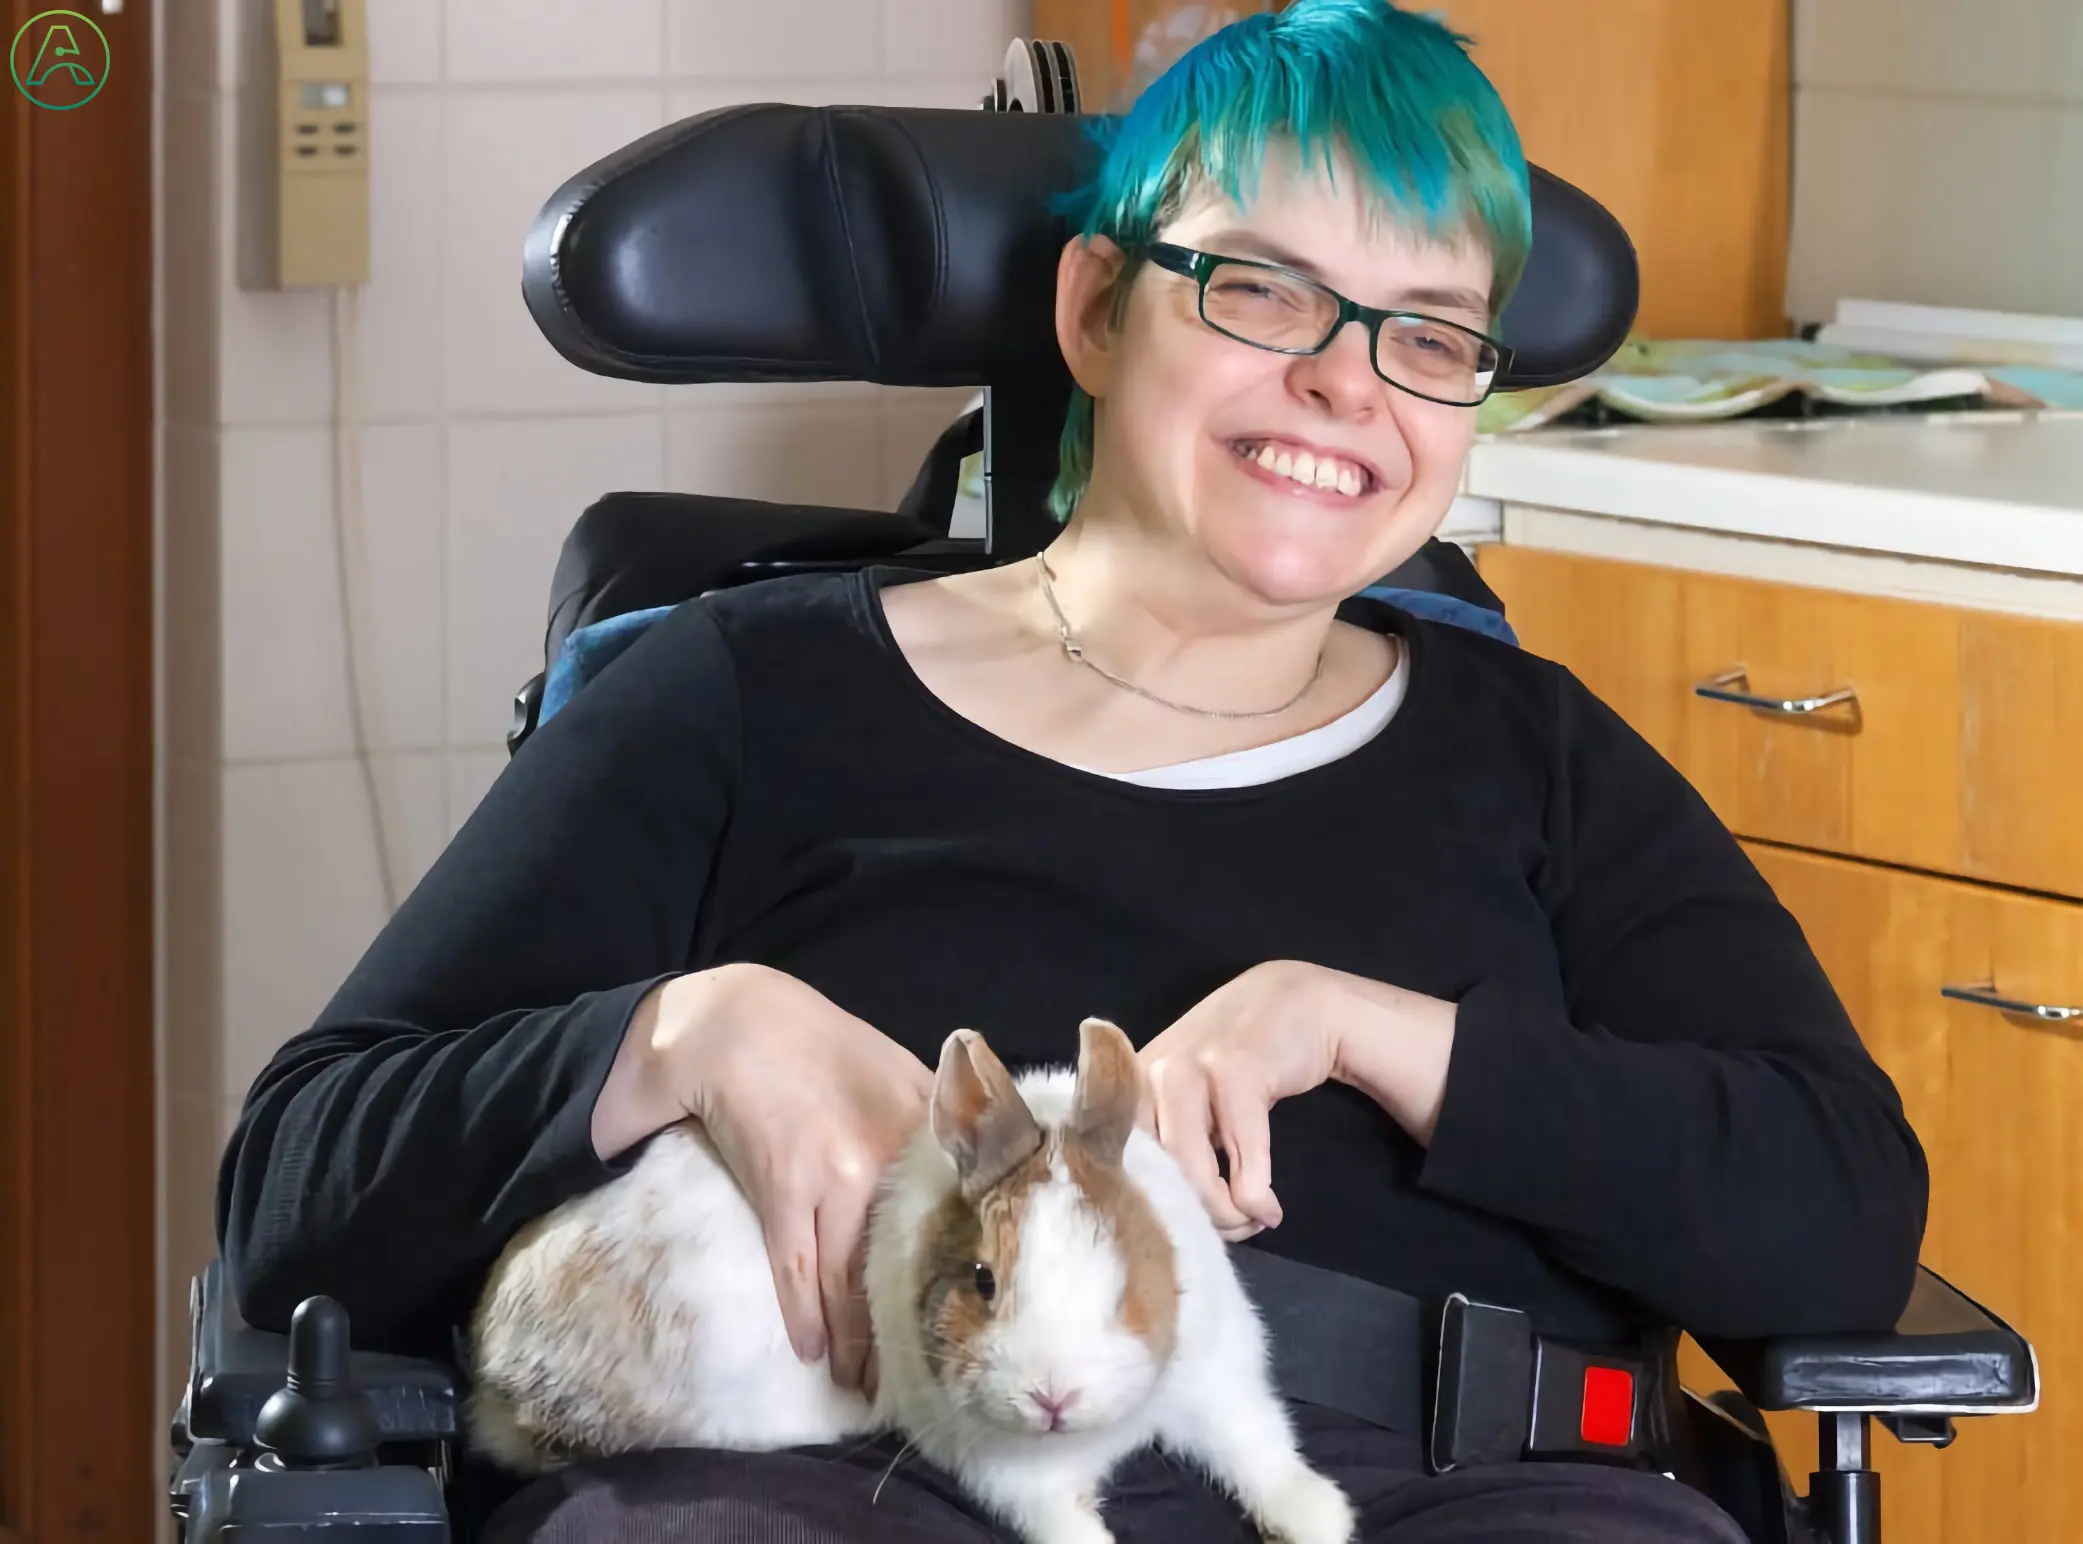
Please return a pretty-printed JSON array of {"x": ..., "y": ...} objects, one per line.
[
  {"x": 1482, "y": 1405},
  {"x": 1504, "y": 1394},
  {"x": 1586, "y": 1405}
]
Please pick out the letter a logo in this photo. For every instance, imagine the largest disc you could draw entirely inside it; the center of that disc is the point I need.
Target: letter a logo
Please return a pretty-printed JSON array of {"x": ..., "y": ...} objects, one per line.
[{"x": 60, "y": 60}]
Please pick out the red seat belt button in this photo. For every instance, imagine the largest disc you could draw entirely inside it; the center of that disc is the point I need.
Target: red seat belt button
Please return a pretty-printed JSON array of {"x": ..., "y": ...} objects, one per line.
[{"x": 1609, "y": 1407}]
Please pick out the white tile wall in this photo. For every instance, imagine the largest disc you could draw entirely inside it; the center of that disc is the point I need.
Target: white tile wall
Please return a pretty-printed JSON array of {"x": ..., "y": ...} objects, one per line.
[
  {"x": 284, "y": 684},
  {"x": 554, "y": 40},
  {"x": 403, "y": 498},
  {"x": 799, "y": 39},
  {"x": 2066, "y": 187},
  {"x": 401, "y": 304},
  {"x": 1936, "y": 154},
  {"x": 412, "y": 795},
  {"x": 813, "y": 453},
  {"x": 405, "y": 42},
  {"x": 2065, "y": 53},
  {"x": 504, "y": 154},
  {"x": 1983, "y": 47},
  {"x": 1943, "y": 200},
  {"x": 282, "y": 647},
  {"x": 302, "y": 894},
  {"x": 948, "y": 40},
  {"x": 514, "y": 488},
  {"x": 302, "y": 899}
]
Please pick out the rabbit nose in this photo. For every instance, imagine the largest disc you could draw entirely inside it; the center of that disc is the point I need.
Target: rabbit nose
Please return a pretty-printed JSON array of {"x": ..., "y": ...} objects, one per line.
[{"x": 1052, "y": 1404}]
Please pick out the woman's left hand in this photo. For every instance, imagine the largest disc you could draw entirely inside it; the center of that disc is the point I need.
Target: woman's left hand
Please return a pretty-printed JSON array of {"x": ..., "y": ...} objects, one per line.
[
  {"x": 1215, "y": 1073},
  {"x": 1275, "y": 1031}
]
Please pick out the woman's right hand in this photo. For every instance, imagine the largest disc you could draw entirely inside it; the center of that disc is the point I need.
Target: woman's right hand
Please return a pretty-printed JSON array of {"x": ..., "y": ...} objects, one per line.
[{"x": 807, "y": 1106}]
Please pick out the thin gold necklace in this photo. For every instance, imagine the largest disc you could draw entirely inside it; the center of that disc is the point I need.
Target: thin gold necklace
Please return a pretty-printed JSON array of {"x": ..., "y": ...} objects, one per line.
[{"x": 1075, "y": 651}]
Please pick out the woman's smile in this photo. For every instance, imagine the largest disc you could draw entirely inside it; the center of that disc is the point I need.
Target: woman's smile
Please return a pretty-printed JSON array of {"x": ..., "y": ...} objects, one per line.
[{"x": 1301, "y": 470}]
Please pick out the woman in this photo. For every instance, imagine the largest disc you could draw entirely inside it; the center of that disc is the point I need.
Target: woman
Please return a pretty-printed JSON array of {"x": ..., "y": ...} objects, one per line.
[{"x": 1400, "y": 917}]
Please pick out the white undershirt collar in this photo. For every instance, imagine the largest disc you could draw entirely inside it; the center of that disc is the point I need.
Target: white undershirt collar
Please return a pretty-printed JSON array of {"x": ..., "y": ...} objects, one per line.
[{"x": 1283, "y": 758}]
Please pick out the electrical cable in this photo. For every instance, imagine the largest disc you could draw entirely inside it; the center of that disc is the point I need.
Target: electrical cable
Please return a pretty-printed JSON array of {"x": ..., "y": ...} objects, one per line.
[{"x": 350, "y": 540}]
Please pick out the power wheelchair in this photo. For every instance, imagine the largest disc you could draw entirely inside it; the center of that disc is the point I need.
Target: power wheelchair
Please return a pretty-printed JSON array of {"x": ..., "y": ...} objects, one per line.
[{"x": 917, "y": 247}]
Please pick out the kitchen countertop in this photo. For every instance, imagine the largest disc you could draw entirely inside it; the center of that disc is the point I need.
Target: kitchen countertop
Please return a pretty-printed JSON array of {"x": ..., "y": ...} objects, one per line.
[{"x": 1993, "y": 489}]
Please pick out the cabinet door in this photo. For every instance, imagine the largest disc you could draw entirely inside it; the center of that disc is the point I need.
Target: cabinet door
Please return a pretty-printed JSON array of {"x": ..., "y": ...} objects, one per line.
[
  {"x": 1960, "y": 757},
  {"x": 1633, "y": 101},
  {"x": 1998, "y": 1104}
]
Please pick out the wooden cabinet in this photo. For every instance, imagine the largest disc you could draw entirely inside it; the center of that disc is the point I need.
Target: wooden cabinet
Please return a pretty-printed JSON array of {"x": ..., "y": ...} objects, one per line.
[
  {"x": 1995, "y": 1099},
  {"x": 1960, "y": 753},
  {"x": 1966, "y": 759},
  {"x": 1674, "y": 114}
]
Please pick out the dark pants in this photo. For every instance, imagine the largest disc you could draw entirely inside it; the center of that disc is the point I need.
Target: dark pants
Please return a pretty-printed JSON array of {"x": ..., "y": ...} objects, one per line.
[{"x": 831, "y": 1496}]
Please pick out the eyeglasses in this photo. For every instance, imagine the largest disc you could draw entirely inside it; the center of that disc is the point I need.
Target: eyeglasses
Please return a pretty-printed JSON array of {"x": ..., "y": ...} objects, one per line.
[{"x": 1272, "y": 307}]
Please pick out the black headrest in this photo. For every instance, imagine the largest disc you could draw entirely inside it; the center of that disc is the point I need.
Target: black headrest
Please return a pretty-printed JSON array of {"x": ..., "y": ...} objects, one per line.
[{"x": 910, "y": 246}]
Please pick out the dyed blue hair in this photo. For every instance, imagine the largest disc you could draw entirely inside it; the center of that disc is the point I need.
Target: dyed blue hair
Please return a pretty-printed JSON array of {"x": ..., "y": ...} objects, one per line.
[{"x": 1392, "y": 89}]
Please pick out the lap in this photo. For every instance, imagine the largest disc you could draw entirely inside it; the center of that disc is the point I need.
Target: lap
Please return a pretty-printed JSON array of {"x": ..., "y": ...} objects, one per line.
[{"x": 854, "y": 1495}]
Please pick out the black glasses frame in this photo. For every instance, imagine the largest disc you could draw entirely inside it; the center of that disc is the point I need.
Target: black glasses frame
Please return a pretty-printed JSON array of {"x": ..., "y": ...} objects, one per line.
[{"x": 1198, "y": 266}]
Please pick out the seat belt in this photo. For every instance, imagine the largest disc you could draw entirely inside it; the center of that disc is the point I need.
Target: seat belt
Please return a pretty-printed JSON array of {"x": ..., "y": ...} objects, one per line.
[
  {"x": 1340, "y": 1342},
  {"x": 1469, "y": 1380}
]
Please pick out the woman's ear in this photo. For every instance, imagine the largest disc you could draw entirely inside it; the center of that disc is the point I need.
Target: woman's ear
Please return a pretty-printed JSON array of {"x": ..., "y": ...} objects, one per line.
[{"x": 1085, "y": 277}]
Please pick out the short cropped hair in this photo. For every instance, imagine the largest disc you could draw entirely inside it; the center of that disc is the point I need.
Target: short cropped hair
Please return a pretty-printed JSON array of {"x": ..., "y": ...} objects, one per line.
[{"x": 1393, "y": 89}]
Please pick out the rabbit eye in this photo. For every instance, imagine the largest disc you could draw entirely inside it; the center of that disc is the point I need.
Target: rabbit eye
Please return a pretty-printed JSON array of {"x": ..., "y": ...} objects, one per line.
[{"x": 986, "y": 1283}]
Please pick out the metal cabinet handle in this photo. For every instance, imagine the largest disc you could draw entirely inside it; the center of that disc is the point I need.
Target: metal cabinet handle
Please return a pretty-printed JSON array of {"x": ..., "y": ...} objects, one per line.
[
  {"x": 1989, "y": 997},
  {"x": 1731, "y": 686}
]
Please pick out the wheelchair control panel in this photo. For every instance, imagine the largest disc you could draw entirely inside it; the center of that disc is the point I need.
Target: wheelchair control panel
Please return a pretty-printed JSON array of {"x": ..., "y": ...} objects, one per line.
[{"x": 321, "y": 1457}]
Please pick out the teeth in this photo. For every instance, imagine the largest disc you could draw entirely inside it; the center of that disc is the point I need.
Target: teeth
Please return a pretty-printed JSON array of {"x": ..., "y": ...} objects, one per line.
[{"x": 1304, "y": 467}]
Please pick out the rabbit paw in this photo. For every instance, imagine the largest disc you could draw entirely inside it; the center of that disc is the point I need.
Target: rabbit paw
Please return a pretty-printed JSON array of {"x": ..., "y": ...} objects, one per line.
[
  {"x": 1074, "y": 1524},
  {"x": 1306, "y": 1508}
]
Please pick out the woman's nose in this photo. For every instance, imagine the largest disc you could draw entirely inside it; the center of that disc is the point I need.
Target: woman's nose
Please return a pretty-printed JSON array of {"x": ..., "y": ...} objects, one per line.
[{"x": 1343, "y": 375}]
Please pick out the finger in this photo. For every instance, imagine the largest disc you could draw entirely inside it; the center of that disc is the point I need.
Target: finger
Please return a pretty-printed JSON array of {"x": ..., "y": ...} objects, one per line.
[
  {"x": 1241, "y": 1121},
  {"x": 842, "y": 1251},
  {"x": 871, "y": 1373},
  {"x": 792, "y": 1250},
  {"x": 1146, "y": 1105},
  {"x": 1185, "y": 1128}
]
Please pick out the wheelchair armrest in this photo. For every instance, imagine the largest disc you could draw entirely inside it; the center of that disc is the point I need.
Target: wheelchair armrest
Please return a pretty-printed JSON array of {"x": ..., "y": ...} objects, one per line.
[
  {"x": 1947, "y": 1355},
  {"x": 234, "y": 1368}
]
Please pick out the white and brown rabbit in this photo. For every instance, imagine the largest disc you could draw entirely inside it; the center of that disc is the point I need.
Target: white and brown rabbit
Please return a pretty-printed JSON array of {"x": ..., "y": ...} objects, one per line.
[{"x": 1047, "y": 1293}]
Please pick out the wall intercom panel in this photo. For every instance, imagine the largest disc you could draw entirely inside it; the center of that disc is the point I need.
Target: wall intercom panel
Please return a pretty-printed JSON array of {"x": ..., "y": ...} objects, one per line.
[{"x": 320, "y": 224}]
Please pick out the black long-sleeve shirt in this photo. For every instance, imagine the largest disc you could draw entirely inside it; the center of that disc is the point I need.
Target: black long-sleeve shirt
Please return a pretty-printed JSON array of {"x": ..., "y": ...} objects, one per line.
[{"x": 1656, "y": 1110}]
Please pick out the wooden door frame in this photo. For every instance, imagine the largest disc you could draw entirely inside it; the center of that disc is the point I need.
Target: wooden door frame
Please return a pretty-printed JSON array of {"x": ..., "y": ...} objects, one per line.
[{"x": 81, "y": 1448}]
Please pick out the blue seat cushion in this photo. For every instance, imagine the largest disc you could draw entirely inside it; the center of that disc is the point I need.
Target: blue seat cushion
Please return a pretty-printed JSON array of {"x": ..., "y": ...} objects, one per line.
[{"x": 589, "y": 650}]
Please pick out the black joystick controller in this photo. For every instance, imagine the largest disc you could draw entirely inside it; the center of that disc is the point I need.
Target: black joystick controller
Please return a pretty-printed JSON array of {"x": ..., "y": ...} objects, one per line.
[{"x": 319, "y": 1419}]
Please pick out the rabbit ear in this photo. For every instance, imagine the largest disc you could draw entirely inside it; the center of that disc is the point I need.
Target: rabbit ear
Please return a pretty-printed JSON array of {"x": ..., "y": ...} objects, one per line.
[
  {"x": 1110, "y": 1087},
  {"x": 978, "y": 1115}
]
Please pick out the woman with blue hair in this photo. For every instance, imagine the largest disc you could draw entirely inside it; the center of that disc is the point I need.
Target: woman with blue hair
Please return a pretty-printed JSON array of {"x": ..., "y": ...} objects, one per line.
[{"x": 1397, "y": 915}]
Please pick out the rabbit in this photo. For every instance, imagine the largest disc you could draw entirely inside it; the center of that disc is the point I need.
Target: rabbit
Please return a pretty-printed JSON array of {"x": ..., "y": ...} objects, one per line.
[{"x": 1047, "y": 1293}]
